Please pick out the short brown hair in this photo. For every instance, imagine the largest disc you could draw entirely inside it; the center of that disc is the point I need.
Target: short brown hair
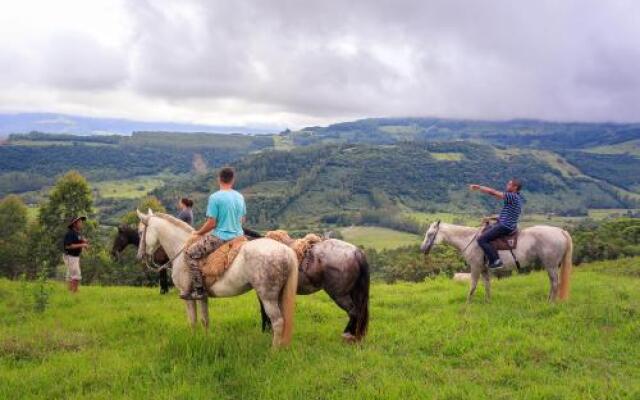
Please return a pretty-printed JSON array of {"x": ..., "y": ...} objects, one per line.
[
  {"x": 187, "y": 202},
  {"x": 226, "y": 175},
  {"x": 517, "y": 183}
]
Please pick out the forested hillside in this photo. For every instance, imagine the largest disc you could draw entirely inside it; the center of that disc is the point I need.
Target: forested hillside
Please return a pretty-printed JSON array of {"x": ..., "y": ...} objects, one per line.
[
  {"x": 352, "y": 172},
  {"x": 517, "y": 133},
  {"x": 345, "y": 184},
  {"x": 29, "y": 162}
]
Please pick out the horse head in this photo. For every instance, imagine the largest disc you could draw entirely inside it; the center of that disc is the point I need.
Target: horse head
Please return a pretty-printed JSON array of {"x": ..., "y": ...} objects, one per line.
[
  {"x": 125, "y": 236},
  {"x": 431, "y": 237},
  {"x": 148, "y": 236}
]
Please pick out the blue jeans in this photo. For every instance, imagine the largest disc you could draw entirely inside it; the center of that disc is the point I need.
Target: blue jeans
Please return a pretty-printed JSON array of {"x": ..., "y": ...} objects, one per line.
[{"x": 494, "y": 232}]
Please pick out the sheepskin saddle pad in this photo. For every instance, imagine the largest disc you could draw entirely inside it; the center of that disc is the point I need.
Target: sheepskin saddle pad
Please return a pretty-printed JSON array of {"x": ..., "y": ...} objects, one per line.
[
  {"x": 300, "y": 246},
  {"x": 218, "y": 262}
]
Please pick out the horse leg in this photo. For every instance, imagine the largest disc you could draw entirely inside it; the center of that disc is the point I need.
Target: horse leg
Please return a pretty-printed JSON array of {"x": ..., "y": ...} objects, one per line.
[
  {"x": 486, "y": 280},
  {"x": 164, "y": 282},
  {"x": 204, "y": 313},
  {"x": 272, "y": 308},
  {"x": 191, "y": 312},
  {"x": 346, "y": 303},
  {"x": 475, "y": 275},
  {"x": 554, "y": 281},
  {"x": 266, "y": 322}
]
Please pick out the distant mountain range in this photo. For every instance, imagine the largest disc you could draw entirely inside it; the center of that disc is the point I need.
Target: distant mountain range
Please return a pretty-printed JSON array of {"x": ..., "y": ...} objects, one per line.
[{"x": 79, "y": 125}]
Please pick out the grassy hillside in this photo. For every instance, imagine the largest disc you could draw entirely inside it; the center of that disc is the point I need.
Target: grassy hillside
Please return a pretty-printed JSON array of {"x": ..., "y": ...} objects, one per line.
[
  {"x": 373, "y": 237},
  {"x": 424, "y": 342},
  {"x": 514, "y": 133}
]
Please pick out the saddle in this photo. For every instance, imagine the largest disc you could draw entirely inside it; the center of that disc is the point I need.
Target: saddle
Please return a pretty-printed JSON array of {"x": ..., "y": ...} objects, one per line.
[
  {"x": 217, "y": 263},
  {"x": 509, "y": 242},
  {"x": 302, "y": 247}
]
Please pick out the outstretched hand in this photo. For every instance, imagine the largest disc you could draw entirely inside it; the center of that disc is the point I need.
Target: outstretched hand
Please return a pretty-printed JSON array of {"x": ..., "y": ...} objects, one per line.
[{"x": 474, "y": 187}]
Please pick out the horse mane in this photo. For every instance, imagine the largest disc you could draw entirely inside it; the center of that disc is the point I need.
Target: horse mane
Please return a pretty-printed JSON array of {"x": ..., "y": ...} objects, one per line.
[{"x": 175, "y": 221}]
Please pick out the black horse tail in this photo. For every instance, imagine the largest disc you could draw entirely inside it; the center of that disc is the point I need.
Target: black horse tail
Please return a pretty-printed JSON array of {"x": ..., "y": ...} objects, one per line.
[{"x": 360, "y": 296}]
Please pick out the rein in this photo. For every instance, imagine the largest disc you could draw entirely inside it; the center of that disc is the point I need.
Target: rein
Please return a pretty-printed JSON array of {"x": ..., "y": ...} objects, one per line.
[
  {"x": 472, "y": 240},
  {"x": 149, "y": 259}
]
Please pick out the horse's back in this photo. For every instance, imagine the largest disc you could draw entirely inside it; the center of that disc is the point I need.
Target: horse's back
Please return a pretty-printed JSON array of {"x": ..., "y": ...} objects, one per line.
[
  {"x": 544, "y": 232},
  {"x": 544, "y": 240},
  {"x": 335, "y": 251},
  {"x": 337, "y": 262},
  {"x": 259, "y": 262}
]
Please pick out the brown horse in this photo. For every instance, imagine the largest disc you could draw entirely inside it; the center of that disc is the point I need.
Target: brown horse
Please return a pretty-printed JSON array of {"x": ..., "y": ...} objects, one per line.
[
  {"x": 340, "y": 269},
  {"x": 129, "y": 236}
]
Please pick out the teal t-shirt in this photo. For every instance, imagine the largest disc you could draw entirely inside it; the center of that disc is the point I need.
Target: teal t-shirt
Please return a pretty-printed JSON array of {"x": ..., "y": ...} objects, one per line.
[{"x": 228, "y": 208}]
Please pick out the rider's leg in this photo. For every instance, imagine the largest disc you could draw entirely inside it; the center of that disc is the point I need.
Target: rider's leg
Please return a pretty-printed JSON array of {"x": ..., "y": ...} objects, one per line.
[
  {"x": 194, "y": 255},
  {"x": 494, "y": 232}
]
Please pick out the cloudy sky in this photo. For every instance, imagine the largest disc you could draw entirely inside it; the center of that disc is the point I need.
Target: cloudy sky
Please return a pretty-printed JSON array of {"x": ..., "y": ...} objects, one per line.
[{"x": 296, "y": 63}]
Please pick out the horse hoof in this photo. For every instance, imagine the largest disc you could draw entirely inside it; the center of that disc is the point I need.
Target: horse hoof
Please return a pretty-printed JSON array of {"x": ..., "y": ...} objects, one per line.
[{"x": 348, "y": 338}]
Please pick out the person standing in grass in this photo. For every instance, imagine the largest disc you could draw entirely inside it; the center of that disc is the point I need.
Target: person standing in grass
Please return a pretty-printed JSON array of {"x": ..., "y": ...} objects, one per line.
[
  {"x": 74, "y": 243},
  {"x": 507, "y": 220},
  {"x": 185, "y": 210}
]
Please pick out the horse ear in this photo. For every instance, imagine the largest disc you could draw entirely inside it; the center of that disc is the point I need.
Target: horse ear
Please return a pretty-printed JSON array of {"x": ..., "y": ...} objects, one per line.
[
  {"x": 142, "y": 217},
  {"x": 150, "y": 211},
  {"x": 438, "y": 223}
]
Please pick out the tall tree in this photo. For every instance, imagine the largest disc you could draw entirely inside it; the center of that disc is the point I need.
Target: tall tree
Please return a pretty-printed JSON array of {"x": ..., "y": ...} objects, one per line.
[
  {"x": 149, "y": 202},
  {"x": 13, "y": 233},
  {"x": 70, "y": 197}
]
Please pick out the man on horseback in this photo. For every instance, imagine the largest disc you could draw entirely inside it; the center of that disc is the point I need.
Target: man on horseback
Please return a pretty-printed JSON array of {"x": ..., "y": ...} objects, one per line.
[
  {"x": 507, "y": 220},
  {"x": 226, "y": 211}
]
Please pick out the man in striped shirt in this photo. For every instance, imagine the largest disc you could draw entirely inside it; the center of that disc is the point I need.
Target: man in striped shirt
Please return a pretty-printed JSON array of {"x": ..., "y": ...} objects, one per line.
[{"x": 507, "y": 220}]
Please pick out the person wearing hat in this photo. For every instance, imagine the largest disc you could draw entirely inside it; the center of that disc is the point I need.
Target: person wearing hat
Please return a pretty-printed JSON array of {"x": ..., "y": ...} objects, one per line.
[{"x": 73, "y": 245}]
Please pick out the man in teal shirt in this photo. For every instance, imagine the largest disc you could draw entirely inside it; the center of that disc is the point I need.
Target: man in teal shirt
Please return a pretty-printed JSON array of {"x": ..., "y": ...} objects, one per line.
[{"x": 226, "y": 212}]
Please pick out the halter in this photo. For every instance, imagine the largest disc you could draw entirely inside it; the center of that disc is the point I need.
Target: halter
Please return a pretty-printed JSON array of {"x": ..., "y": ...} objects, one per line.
[
  {"x": 149, "y": 259},
  {"x": 433, "y": 238},
  {"x": 435, "y": 235}
]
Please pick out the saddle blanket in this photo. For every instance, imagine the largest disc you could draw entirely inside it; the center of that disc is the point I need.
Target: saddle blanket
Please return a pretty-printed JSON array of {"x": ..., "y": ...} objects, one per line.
[
  {"x": 218, "y": 262},
  {"x": 300, "y": 246}
]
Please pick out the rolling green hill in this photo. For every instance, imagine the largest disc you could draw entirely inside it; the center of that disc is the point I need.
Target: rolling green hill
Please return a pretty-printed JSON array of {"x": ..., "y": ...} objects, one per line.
[
  {"x": 424, "y": 343},
  {"x": 349, "y": 173},
  {"x": 514, "y": 133},
  {"x": 360, "y": 184}
]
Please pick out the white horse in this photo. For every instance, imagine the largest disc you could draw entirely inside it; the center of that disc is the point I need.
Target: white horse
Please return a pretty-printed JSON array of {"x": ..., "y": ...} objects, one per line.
[
  {"x": 551, "y": 246},
  {"x": 269, "y": 267}
]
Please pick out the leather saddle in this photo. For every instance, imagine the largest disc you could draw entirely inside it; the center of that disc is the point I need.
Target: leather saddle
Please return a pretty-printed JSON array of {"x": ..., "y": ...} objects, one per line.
[{"x": 509, "y": 242}]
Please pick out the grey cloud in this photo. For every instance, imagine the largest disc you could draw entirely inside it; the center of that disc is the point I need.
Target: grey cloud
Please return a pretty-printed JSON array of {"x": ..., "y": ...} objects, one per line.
[
  {"x": 336, "y": 59},
  {"x": 72, "y": 60}
]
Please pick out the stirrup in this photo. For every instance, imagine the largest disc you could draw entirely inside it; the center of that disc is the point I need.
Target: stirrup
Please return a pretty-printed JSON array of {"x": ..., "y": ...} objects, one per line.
[{"x": 194, "y": 295}]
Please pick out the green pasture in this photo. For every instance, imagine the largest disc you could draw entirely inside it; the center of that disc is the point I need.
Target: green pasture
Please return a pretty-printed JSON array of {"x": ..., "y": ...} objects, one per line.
[
  {"x": 424, "y": 343},
  {"x": 45, "y": 143},
  {"x": 128, "y": 188},
  {"x": 447, "y": 156},
  {"x": 378, "y": 238},
  {"x": 450, "y": 218},
  {"x": 628, "y": 147}
]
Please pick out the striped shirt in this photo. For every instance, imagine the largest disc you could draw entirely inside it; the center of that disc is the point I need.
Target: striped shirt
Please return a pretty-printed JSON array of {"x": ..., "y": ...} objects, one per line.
[{"x": 510, "y": 213}]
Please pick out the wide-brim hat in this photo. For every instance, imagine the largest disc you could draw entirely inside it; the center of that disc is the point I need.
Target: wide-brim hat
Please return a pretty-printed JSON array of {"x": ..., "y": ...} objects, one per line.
[{"x": 75, "y": 219}]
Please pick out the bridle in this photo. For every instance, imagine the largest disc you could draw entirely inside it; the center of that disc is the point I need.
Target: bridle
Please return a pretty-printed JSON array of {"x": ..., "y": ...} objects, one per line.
[
  {"x": 432, "y": 239},
  {"x": 435, "y": 235},
  {"x": 148, "y": 259}
]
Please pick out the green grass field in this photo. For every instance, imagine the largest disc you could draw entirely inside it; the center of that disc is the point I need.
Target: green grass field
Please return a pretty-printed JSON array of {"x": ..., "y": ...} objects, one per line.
[
  {"x": 378, "y": 238},
  {"x": 424, "y": 343},
  {"x": 447, "y": 156},
  {"x": 41, "y": 143},
  {"x": 628, "y": 147},
  {"x": 133, "y": 188}
]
